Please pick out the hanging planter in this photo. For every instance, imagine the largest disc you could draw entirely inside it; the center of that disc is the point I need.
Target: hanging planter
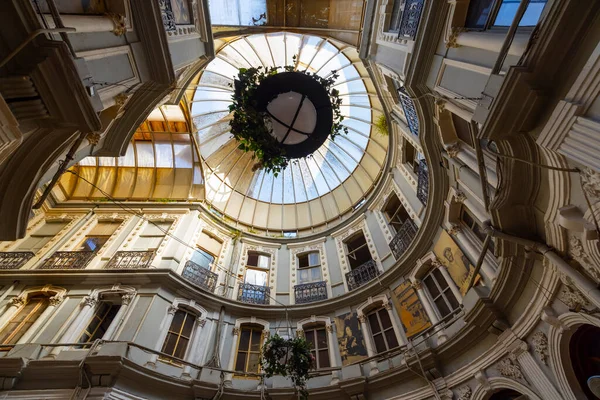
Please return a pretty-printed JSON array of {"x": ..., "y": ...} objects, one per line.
[
  {"x": 280, "y": 114},
  {"x": 288, "y": 358}
]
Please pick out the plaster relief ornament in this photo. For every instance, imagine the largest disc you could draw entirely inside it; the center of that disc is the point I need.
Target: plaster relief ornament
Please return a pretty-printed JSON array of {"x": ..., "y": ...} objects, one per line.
[
  {"x": 540, "y": 346},
  {"x": 464, "y": 393},
  {"x": 578, "y": 252},
  {"x": 571, "y": 296},
  {"x": 508, "y": 368},
  {"x": 591, "y": 182}
]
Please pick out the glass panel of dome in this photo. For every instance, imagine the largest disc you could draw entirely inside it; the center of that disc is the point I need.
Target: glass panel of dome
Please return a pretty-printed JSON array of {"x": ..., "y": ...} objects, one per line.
[
  {"x": 335, "y": 64},
  {"x": 255, "y": 185},
  {"x": 277, "y": 196},
  {"x": 203, "y": 121},
  {"x": 234, "y": 58},
  {"x": 325, "y": 53},
  {"x": 299, "y": 188},
  {"x": 350, "y": 148},
  {"x": 183, "y": 155},
  {"x": 204, "y": 107},
  {"x": 212, "y": 94},
  {"x": 277, "y": 47},
  {"x": 128, "y": 160},
  {"x": 307, "y": 181},
  {"x": 145, "y": 154},
  {"x": 319, "y": 180},
  {"x": 215, "y": 79},
  {"x": 292, "y": 47},
  {"x": 354, "y": 86},
  {"x": 358, "y": 127},
  {"x": 358, "y": 139},
  {"x": 325, "y": 169},
  {"x": 362, "y": 114},
  {"x": 88, "y": 161},
  {"x": 164, "y": 154},
  {"x": 310, "y": 45},
  {"x": 266, "y": 188},
  {"x": 356, "y": 100},
  {"x": 340, "y": 169},
  {"x": 223, "y": 68},
  {"x": 347, "y": 72},
  {"x": 244, "y": 49},
  {"x": 261, "y": 48},
  {"x": 288, "y": 186},
  {"x": 342, "y": 156}
]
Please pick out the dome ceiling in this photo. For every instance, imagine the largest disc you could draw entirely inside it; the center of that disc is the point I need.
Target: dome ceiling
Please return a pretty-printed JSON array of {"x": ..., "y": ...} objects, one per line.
[{"x": 313, "y": 191}]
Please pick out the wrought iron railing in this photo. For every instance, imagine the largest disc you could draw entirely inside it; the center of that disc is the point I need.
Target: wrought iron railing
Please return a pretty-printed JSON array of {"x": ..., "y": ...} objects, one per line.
[
  {"x": 309, "y": 292},
  {"x": 408, "y": 105},
  {"x": 254, "y": 294},
  {"x": 201, "y": 276},
  {"x": 403, "y": 238},
  {"x": 411, "y": 16},
  {"x": 131, "y": 260},
  {"x": 68, "y": 260},
  {"x": 423, "y": 182},
  {"x": 361, "y": 275},
  {"x": 14, "y": 259}
]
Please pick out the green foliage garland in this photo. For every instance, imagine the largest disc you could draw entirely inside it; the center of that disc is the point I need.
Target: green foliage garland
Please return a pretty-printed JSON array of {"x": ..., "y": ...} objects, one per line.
[
  {"x": 250, "y": 127},
  {"x": 288, "y": 357}
]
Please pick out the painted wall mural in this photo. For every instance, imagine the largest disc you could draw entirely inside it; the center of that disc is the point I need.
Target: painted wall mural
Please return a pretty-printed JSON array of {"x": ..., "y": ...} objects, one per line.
[
  {"x": 452, "y": 257},
  {"x": 410, "y": 309},
  {"x": 350, "y": 338}
]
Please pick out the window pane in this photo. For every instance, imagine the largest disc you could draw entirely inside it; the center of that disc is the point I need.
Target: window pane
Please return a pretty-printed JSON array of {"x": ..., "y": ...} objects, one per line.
[
  {"x": 375, "y": 328},
  {"x": 508, "y": 10},
  {"x": 431, "y": 287},
  {"x": 384, "y": 316},
  {"x": 252, "y": 259},
  {"x": 379, "y": 343},
  {"x": 169, "y": 345},
  {"x": 188, "y": 325},
  {"x": 478, "y": 13},
  {"x": 323, "y": 360},
  {"x": 313, "y": 259},
  {"x": 255, "y": 343},
  {"x": 303, "y": 276},
  {"x": 390, "y": 336},
  {"x": 181, "y": 347},
  {"x": 202, "y": 258},
  {"x": 452, "y": 300},
  {"x": 310, "y": 338},
  {"x": 442, "y": 307},
  {"x": 244, "y": 340},
  {"x": 322, "y": 339},
  {"x": 177, "y": 321},
  {"x": 253, "y": 362},
  {"x": 263, "y": 261},
  {"x": 255, "y": 277},
  {"x": 240, "y": 362},
  {"x": 442, "y": 282}
]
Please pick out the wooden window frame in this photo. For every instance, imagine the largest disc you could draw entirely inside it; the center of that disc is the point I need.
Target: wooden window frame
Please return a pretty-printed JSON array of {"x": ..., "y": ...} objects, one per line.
[
  {"x": 309, "y": 267},
  {"x": 172, "y": 357},
  {"x": 43, "y": 301},
  {"x": 443, "y": 293},
  {"x": 252, "y": 328},
  {"x": 382, "y": 330},
  {"x": 313, "y": 328},
  {"x": 350, "y": 254},
  {"x": 102, "y": 318}
]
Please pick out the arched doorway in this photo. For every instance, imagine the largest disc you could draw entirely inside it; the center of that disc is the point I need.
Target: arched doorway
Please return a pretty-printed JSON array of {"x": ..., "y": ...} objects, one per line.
[
  {"x": 508, "y": 394},
  {"x": 584, "y": 352}
]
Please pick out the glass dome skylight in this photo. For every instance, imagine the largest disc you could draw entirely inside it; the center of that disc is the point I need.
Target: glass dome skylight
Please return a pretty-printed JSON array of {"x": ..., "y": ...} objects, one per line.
[{"x": 313, "y": 191}]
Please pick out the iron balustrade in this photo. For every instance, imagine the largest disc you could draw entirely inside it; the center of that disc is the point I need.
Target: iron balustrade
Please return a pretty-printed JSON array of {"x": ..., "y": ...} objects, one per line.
[
  {"x": 361, "y": 275},
  {"x": 14, "y": 259},
  {"x": 423, "y": 182},
  {"x": 254, "y": 294},
  {"x": 131, "y": 260},
  {"x": 408, "y": 106},
  {"x": 309, "y": 292},
  {"x": 168, "y": 17},
  {"x": 68, "y": 260},
  {"x": 411, "y": 16},
  {"x": 403, "y": 238},
  {"x": 201, "y": 276}
]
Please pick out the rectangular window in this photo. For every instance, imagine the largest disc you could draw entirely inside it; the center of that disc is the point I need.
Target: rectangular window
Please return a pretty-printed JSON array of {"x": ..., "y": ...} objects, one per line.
[
  {"x": 103, "y": 317},
  {"x": 152, "y": 235},
  {"x": 180, "y": 333},
  {"x": 309, "y": 267},
  {"x": 249, "y": 348},
  {"x": 257, "y": 269},
  {"x": 483, "y": 14},
  {"x": 210, "y": 243},
  {"x": 463, "y": 130},
  {"x": 395, "y": 212},
  {"x": 319, "y": 348},
  {"x": 396, "y": 16},
  {"x": 98, "y": 236},
  {"x": 469, "y": 221},
  {"x": 382, "y": 330},
  {"x": 203, "y": 258},
  {"x": 42, "y": 236},
  {"x": 22, "y": 321},
  {"x": 440, "y": 292},
  {"x": 358, "y": 251},
  {"x": 412, "y": 157}
]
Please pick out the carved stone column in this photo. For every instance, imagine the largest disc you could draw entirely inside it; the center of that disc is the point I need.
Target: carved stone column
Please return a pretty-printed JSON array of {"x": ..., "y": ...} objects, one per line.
[
  {"x": 77, "y": 325},
  {"x": 368, "y": 343},
  {"x": 451, "y": 284},
  {"x": 533, "y": 372},
  {"x": 332, "y": 343},
  {"x": 397, "y": 329},
  {"x": 13, "y": 306},
  {"x": 53, "y": 303}
]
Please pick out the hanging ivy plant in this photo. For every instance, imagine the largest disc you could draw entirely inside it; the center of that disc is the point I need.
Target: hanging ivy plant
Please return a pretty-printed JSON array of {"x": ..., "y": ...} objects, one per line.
[
  {"x": 251, "y": 127},
  {"x": 288, "y": 357}
]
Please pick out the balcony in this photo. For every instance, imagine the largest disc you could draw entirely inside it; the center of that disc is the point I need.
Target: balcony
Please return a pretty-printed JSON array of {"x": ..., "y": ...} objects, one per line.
[
  {"x": 309, "y": 292},
  {"x": 201, "y": 276},
  {"x": 403, "y": 238},
  {"x": 411, "y": 16},
  {"x": 423, "y": 182},
  {"x": 408, "y": 106},
  {"x": 254, "y": 294},
  {"x": 14, "y": 259},
  {"x": 131, "y": 260},
  {"x": 68, "y": 260},
  {"x": 362, "y": 275}
]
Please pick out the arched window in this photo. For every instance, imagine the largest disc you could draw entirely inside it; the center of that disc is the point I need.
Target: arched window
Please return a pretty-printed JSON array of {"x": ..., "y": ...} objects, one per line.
[
  {"x": 179, "y": 334},
  {"x": 26, "y": 316},
  {"x": 382, "y": 330},
  {"x": 249, "y": 347}
]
